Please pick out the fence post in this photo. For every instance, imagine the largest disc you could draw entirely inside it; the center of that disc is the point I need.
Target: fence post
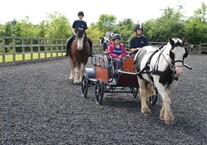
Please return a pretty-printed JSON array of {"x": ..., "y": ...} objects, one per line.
[
  {"x": 199, "y": 49},
  {"x": 57, "y": 47},
  {"x": 14, "y": 49},
  {"x": 23, "y": 49},
  {"x": 62, "y": 47},
  {"x": 3, "y": 50},
  {"x": 189, "y": 48},
  {"x": 38, "y": 51},
  {"x": 31, "y": 49},
  {"x": 51, "y": 47}
]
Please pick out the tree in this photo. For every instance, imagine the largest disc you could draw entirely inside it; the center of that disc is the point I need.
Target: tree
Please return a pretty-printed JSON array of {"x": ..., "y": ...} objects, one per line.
[
  {"x": 10, "y": 28},
  {"x": 56, "y": 26},
  {"x": 24, "y": 28},
  {"x": 170, "y": 24},
  {"x": 93, "y": 33},
  {"x": 106, "y": 21},
  {"x": 196, "y": 26},
  {"x": 2, "y": 30},
  {"x": 201, "y": 13},
  {"x": 125, "y": 29}
]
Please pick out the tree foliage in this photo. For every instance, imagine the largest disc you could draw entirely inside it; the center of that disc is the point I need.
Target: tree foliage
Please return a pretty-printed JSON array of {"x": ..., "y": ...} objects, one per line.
[
  {"x": 125, "y": 29},
  {"x": 106, "y": 22},
  {"x": 25, "y": 28},
  {"x": 171, "y": 24},
  {"x": 196, "y": 26},
  {"x": 94, "y": 33},
  {"x": 57, "y": 26}
]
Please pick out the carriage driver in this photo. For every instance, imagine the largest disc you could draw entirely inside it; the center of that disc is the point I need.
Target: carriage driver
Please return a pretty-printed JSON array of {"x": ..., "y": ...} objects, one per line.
[
  {"x": 79, "y": 24},
  {"x": 138, "y": 41}
]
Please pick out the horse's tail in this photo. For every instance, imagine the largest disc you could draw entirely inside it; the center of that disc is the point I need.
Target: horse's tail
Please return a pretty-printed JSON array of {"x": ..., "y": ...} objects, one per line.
[{"x": 68, "y": 44}]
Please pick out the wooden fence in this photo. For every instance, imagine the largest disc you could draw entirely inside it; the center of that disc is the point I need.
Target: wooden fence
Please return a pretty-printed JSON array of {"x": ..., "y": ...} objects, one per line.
[
  {"x": 19, "y": 50},
  {"x": 192, "y": 49}
]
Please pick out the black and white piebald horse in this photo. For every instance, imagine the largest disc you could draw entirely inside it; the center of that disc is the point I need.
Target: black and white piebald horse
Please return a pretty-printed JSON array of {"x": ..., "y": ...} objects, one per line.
[
  {"x": 104, "y": 42},
  {"x": 160, "y": 68}
]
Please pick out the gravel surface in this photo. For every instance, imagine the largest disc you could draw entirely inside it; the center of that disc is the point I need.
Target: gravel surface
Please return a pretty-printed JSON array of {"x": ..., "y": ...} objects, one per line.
[{"x": 39, "y": 106}]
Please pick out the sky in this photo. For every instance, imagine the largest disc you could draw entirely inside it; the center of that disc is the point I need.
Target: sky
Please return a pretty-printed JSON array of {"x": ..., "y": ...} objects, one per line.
[{"x": 137, "y": 10}]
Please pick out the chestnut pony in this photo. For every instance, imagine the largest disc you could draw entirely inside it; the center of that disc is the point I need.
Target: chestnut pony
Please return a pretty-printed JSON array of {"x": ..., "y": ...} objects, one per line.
[{"x": 78, "y": 56}]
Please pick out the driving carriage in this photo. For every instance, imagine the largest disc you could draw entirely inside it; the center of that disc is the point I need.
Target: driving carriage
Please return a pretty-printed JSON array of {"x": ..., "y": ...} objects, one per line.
[{"x": 107, "y": 80}]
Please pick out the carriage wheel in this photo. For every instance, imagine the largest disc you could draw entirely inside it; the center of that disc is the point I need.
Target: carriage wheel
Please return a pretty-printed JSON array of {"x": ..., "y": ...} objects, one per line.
[
  {"x": 85, "y": 86},
  {"x": 134, "y": 91},
  {"x": 99, "y": 92},
  {"x": 153, "y": 99}
]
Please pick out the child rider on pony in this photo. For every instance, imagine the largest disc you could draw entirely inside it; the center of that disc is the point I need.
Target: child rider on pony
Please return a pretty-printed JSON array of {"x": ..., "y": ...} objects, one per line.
[{"x": 79, "y": 24}]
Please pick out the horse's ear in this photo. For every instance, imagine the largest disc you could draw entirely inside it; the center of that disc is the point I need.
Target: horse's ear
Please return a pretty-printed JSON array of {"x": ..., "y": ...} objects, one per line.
[
  {"x": 171, "y": 41},
  {"x": 183, "y": 41}
]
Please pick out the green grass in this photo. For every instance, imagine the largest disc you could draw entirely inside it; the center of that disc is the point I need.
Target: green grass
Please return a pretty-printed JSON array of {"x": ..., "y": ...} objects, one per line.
[{"x": 19, "y": 57}]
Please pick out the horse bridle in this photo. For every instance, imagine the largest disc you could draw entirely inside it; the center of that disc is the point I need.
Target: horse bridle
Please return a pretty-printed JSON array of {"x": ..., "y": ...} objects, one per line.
[{"x": 172, "y": 64}]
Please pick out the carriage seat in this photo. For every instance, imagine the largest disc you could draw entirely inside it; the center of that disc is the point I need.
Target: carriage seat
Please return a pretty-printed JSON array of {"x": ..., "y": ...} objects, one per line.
[{"x": 128, "y": 63}]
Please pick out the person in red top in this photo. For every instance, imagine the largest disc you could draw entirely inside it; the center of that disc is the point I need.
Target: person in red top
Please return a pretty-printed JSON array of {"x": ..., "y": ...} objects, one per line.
[{"x": 117, "y": 51}]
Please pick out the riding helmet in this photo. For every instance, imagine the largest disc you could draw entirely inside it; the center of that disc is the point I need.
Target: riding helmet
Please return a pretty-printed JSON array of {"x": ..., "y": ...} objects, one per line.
[
  {"x": 138, "y": 27},
  {"x": 116, "y": 36},
  {"x": 80, "y": 13}
]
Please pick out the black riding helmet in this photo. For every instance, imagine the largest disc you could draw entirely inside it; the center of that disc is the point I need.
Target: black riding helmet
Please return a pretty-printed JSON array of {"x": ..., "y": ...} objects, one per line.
[
  {"x": 138, "y": 27},
  {"x": 80, "y": 13},
  {"x": 116, "y": 36}
]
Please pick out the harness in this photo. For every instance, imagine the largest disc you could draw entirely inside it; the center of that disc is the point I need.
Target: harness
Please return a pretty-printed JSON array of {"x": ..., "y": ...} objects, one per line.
[{"x": 149, "y": 70}]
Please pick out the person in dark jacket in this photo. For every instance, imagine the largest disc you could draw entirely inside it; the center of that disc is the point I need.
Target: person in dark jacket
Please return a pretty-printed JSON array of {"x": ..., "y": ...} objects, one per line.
[{"x": 138, "y": 41}]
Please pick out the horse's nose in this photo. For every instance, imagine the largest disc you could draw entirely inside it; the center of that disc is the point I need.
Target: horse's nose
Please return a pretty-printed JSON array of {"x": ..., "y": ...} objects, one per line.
[{"x": 179, "y": 71}]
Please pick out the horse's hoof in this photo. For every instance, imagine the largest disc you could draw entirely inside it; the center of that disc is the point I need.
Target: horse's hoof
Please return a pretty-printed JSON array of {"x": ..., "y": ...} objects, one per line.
[
  {"x": 162, "y": 112},
  {"x": 169, "y": 119},
  {"x": 168, "y": 122},
  {"x": 76, "y": 83},
  {"x": 146, "y": 111},
  {"x": 146, "y": 114},
  {"x": 161, "y": 118}
]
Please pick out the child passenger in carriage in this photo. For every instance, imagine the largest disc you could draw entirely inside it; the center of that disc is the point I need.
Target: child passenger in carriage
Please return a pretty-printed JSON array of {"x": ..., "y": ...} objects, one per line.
[{"x": 117, "y": 51}]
